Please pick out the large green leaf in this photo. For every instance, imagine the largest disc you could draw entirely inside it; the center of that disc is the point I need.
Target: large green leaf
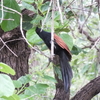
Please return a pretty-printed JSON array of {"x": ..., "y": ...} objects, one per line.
[
  {"x": 26, "y": 22},
  {"x": 36, "y": 21},
  {"x": 49, "y": 78},
  {"x": 13, "y": 97},
  {"x": 36, "y": 89},
  {"x": 6, "y": 69},
  {"x": 32, "y": 37},
  {"x": 17, "y": 83},
  {"x": 76, "y": 50},
  {"x": 25, "y": 79},
  {"x": 6, "y": 86},
  {"x": 28, "y": 6},
  {"x": 45, "y": 6},
  {"x": 67, "y": 39},
  {"x": 8, "y": 25}
]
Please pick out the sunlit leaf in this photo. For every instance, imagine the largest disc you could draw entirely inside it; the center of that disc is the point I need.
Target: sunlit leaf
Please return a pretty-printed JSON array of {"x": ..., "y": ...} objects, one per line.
[
  {"x": 32, "y": 37},
  {"x": 29, "y": 6},
  {"x": 25, "y": 79},
  {"x": 6, "y": 86},
  {"x": 6, "y": 69},
  {"x": 8, "y": 25},
  {"x": 36, "y": 89},
  {"x": 45, "y": 6},
  {"x": 17, "y": 83},
  {"x": 67, "y": 39},
  {"x": 13, "y": 97},
  {"x": 49, "y": 78}
]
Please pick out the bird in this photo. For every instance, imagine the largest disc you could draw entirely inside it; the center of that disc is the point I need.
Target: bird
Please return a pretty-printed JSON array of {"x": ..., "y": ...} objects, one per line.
[{"x": 62, "y": 50}]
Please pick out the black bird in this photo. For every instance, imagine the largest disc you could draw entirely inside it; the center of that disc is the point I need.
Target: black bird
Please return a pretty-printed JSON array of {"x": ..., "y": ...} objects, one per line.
[{"x": 62, "y": 50}]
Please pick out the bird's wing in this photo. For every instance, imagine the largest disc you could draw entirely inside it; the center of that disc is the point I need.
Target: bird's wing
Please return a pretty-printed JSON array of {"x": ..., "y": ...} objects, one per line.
[{"x": 61, "y": 43}]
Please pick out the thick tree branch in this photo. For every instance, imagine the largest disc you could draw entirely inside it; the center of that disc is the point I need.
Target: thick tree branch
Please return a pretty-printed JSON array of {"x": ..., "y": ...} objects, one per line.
[
  {"x": 81, "y": 30},
  {"x": 89, "y": 90}
]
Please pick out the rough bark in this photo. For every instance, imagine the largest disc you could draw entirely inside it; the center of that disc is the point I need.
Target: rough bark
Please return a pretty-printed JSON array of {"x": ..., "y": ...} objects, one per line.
[
  {"x": 60, "y": 93},
  {"x": 89, "y": 90},
  {"x": 86, "y": 93},
  {"x": 14, "y": 41}
]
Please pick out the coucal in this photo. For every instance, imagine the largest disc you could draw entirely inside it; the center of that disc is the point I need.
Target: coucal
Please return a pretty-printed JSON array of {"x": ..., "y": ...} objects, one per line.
[{"x": 62, "y": 50}]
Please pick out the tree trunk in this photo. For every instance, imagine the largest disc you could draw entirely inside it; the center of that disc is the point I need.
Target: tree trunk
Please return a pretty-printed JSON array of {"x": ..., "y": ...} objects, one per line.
[
  {"x": 16, "y": 44},
  {"x": 86, "y": 93},
  {"x": 60, "y": 93}
]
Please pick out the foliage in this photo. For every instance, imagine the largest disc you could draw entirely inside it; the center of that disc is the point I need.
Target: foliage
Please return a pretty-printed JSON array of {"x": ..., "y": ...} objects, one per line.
[
  {"x": 8, "y": 91},
  {"x": 12, "y": 18},
  {"x": 84, "y": 62}
]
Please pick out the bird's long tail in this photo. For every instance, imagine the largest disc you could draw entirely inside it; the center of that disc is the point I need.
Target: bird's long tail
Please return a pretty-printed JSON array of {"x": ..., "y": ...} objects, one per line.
[{"x": 65, "y": 70}]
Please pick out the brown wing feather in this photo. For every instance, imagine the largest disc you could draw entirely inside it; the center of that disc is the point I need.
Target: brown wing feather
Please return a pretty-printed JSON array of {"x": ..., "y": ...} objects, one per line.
[{"x": 61, "y": 43}]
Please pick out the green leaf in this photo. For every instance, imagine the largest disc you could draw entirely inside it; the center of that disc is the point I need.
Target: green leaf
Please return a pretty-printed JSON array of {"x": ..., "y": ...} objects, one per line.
[
  {"x": 45, "y": 6},
  {"x": 13, "y": 97},
  {"x": 6, "y": 86},
  {"x": 25, "y": 79},
  {"x": 37, "y": 20},
  {"x": 32, "y": 37},
  {"x": 26, "y": 22},
  {"x": 36, "y": 89},
  {"x": 29, "y": 7},
  {"x": 67, "y": 39},
  {"x": 62, "y": 30},
  {"x": 76, "y": 50},
  {"x": 49, "y": 78},
  {"x": 17, "y": 83},
  {"x": 8, "y": 25},
  {"x": 69, "y": 14},
  {"x": 85, "y": 69},
  {"x": 28, "y": 1},
  {"x": 6, "y": 69},
  {"x": 57, "y": 71}
]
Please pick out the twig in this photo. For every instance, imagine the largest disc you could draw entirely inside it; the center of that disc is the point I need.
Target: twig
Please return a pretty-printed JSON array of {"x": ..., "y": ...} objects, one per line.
[
  {"x": 8, "y": 47},
  {"x": 80, "y": 9},
  {"x": 87, "y": 34},
  {"x": 87, "y": 17},
  {"x": 7, "y": 19},
  {"x": 39, "y": 51},
  {"x": 46, "y": 15},
  {"x": 72, "y": 30},
  {"x": 52, "y": 31},
  {"x": 70, "y": 3},
  {"x": 14, "y": 40},
  {"x": 61, "y": 18},
  {"x": 87, "y": 46},
  {"x": 7, "y": 11},
  {"x": 2, "y": 47},
  {"x": 2, "y": 11},
  {"x": 94, "y": 41},
  {"x": 10, "y": 41},
  {"x": 97, "y": 41}
]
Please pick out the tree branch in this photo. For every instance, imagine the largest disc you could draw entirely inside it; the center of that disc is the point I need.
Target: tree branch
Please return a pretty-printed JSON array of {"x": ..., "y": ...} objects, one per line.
[
  {"x": 89, "y": 90},
  {"x": 87, "y": 35}
]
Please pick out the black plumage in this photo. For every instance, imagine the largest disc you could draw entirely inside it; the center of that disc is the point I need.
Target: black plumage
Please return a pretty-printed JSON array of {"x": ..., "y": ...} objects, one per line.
[{"x": 61, "y": 49}]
